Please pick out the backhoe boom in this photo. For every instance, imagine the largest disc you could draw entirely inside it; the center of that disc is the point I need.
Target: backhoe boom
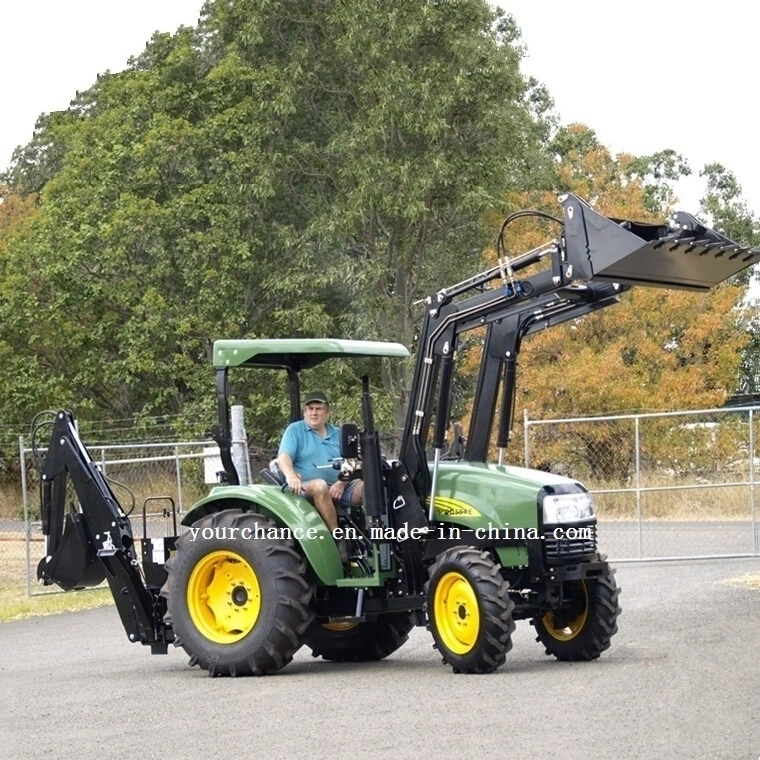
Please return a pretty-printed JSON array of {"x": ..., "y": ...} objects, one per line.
[{"x": 94, "y": 542}]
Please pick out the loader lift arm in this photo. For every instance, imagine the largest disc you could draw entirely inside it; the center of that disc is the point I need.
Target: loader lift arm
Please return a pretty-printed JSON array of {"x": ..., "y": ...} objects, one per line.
[
  {"x": 595, "y": 259},
  {"x": 95, "y": 542}
]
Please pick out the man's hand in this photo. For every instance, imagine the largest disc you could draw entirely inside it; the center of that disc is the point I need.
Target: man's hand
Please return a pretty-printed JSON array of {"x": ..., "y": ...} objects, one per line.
[
  {"x": 336, "y": 490},
  {"x": 292, "y": 478},
  {"x": 294, "y": 483}
]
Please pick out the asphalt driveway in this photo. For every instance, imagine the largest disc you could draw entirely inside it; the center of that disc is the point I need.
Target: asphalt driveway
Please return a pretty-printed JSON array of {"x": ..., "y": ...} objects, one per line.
[{"x": 681, "y": 680}]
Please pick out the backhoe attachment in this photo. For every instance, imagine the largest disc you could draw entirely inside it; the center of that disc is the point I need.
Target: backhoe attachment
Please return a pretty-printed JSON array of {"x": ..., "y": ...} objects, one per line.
[{"x": 92, "y": 540}]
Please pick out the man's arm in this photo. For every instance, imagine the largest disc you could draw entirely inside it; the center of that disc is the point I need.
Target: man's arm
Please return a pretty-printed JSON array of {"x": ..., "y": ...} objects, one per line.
[{"x": 285, "y": 462}]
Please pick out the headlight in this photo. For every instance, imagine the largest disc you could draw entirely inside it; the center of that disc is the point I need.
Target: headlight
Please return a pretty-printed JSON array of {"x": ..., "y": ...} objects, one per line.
[{"x": 567, "y": 507}]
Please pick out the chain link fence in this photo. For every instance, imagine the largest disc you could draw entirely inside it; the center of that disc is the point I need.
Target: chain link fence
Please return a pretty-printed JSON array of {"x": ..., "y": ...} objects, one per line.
[
  {"x": 155, "y": 484},
  {"x": 666, "y": 486}
]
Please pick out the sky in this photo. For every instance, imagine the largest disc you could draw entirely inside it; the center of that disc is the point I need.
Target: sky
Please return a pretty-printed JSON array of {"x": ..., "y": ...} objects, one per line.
[
  {"x": 645, "y": 76},
  {"x": 654, "y": 74},
  {"x": 50, "y": 49}
]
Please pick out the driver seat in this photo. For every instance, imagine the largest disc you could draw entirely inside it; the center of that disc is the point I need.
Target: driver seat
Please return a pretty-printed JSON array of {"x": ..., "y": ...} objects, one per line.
[{"x": 273, "y": 475}]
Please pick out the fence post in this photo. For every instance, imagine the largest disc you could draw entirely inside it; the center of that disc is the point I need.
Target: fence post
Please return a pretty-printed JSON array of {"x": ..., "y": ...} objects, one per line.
[
  {"x": 25, "y": 501},
  {"x": 638, "y": 485},
  {"x": 525, "y": 438},
  {"x": 239, "y": 444},
  {"x": 179, "y": 479}
]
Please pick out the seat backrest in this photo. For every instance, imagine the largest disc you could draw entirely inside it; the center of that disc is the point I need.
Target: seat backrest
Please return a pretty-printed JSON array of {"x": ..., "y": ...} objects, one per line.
[{"x": 273, "y": 475}]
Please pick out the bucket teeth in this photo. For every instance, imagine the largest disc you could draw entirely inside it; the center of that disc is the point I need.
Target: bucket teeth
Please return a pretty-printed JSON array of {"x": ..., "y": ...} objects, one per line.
[
  {"x": 683, "y": 254},
  {"x": 667, "y": 239}
]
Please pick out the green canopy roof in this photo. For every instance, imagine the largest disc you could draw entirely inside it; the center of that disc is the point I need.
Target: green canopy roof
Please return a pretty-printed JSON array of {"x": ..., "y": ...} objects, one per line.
[{"x": 297, "y": 353}]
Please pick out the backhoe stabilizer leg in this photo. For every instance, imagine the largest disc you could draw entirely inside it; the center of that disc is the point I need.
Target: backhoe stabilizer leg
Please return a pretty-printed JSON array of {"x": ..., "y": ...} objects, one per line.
[{"x": 140, "y": 611}]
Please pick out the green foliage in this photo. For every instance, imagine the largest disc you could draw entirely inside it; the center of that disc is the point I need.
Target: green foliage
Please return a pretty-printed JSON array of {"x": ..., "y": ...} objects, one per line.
[
  {"x": 725, "y": 206},
  {"x": 285, "y": 169},
  {"x": 656, "y": 172}
]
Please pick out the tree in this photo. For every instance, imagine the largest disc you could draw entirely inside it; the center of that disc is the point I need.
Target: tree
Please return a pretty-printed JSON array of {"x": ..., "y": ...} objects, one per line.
[
  {"x": 656, "y": 172},
  {"x": 22, "y": 380},
  {"x": 287, "y": 168},
  {"x": 657, "y": 350},
  {"x": 404, "y": 124},
  {"x": 725, "y": 206},
  {"x": 16, "y": 212}
]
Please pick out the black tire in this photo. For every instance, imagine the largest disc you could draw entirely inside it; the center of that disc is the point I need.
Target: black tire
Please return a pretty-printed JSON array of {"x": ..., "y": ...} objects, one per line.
[
  {"x": 359, "y": 642},
  {"x": 238, "y": 606},
  {"x": 581, "y": 630},
  {"x": 469, "y": 610}
]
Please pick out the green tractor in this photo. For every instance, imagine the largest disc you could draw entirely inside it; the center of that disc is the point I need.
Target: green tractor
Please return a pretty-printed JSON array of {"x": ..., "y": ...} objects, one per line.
[{"x": 448, "y": 536}]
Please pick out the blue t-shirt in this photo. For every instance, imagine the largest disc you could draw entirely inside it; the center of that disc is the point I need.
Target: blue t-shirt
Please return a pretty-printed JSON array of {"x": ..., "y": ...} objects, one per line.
[{"x": 307, "y": 450}]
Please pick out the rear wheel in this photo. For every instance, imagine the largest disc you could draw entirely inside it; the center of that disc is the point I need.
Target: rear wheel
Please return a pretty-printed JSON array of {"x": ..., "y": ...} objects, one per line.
[
  {"x": 237, "y": 606},
  {"x": 582, "y": 627},
  {"x": 359, "y": 642},
  {"x": 469, "y": 610}
]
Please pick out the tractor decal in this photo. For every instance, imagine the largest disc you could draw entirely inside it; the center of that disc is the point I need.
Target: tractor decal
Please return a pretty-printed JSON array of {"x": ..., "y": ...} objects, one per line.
[{"x": 447, "y": 507}]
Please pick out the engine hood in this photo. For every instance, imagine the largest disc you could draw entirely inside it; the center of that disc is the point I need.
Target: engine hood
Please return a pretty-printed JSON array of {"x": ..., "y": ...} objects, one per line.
[{"x": 474, "y": 493}]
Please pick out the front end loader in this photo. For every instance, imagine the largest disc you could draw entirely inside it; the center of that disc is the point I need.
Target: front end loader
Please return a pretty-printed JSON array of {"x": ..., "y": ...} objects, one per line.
[{"x": 448, "y": 536}]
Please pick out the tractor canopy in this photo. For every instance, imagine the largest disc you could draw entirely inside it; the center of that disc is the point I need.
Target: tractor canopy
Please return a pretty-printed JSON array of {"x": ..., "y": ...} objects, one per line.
[{"x": 296, "y": 354}]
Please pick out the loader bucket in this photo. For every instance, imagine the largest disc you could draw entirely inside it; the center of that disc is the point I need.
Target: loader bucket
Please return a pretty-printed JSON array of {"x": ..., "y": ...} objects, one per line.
[{"x": 684, "y": 254}]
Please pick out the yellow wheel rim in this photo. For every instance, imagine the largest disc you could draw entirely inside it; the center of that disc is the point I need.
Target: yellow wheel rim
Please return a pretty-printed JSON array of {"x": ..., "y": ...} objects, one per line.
[
  {"x": 223, "y": 597},
  {"x": 573, "y": 627},
  {"x": 457, "y": 616}
]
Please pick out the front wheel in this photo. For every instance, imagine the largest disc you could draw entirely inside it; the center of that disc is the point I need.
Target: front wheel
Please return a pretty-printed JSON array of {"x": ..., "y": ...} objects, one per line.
[
  {"x": 581, "y": 628},
  {"x": 469, "y": 610},
  {"x": 237, "y": 606}
]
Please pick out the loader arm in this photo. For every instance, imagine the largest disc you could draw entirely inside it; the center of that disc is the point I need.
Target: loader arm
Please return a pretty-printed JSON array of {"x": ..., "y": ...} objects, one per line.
[
  {"x": 593, "y": 261},
  {"x": 93, "y": 541}
]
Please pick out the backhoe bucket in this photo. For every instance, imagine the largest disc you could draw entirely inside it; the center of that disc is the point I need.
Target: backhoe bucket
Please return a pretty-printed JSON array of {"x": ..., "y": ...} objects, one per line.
[
  {"x": 74, "y": 564},
  {"x": 684, "y": 254}
]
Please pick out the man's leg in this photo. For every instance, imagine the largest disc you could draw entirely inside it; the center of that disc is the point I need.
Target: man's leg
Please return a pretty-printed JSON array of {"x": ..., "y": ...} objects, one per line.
[
  {"x": 357, "y": 492},
  {"x": 319, "y": 492}
]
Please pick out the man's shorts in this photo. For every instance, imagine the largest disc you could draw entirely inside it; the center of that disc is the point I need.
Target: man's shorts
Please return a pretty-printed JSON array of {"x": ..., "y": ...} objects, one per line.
[{"x": 346, "y": 498}]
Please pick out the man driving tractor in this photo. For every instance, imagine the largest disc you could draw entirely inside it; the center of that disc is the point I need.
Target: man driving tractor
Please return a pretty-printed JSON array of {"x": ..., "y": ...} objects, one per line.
[{"x": 306, "y": 454}]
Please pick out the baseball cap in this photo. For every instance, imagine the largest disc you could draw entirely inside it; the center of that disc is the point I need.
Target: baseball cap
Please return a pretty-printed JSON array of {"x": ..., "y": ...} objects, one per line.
[{"x": 316, "y": 396}]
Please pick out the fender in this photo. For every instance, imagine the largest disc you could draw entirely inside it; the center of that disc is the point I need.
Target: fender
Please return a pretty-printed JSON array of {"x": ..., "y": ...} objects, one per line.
[{"x": 288, "y": 511}]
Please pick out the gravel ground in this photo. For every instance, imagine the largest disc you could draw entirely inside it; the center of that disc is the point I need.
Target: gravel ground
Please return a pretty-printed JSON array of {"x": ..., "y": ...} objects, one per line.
[{"x": 681, "y": 680}]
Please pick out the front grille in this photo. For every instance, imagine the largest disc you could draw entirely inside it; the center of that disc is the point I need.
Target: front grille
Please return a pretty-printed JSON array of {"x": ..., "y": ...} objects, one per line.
[{"x": 571, "y": 542}]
